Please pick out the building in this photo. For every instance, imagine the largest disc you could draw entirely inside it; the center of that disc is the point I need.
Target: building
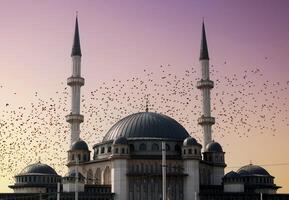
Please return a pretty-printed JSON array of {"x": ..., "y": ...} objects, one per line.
[{"x": 127, "y": 163}]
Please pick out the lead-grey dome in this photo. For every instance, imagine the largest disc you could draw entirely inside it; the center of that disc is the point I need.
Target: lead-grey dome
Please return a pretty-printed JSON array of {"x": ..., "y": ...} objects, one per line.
[
  {"x": 214, "y": 147},
  {"x": 121, "y": 140},
  {"x": 38, "y": 168},
  {"x": 253, "y": 170},
  {"x": 79, "y": 145},
  {"x": 147, "y": 125},
  {"x": 189, "y": 141}
]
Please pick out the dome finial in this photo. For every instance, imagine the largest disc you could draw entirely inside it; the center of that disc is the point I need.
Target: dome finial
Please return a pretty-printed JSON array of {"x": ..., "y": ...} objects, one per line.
[{"x": 147, "y": 104}]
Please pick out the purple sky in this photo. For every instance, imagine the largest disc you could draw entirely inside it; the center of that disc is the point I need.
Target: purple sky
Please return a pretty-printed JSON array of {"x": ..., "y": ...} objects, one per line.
[{"x": 121, "y": 38}]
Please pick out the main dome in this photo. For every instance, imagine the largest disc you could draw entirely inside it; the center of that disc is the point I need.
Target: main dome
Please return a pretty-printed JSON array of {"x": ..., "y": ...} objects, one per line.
[
  {"x": 147, "y": 125},
  {"x": 252, "y": 170}
]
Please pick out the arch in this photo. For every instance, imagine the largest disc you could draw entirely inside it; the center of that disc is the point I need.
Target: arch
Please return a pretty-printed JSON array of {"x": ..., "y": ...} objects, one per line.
[
  {"x": 178, "y": 148},
  {"x": 143, "y": 147},
  {"x": 97, "y": 176},
  {"x": 131, "y": 148},
  {"x": 168, "y": 147},
  {"x": 107, "y": 176},
  {"x": 155, "y": 147},
  {"x": 89, "y": 176}
]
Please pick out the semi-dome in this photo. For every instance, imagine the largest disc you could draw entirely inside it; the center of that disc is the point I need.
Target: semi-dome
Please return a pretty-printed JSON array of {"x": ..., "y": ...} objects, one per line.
[
  {"x": 79, "y": 145},
  {"x": 147, "y": 125},
  {"x": 214, "y": 147},
  {"x": 189, "y": 141},
  {"x": 232, "y": 174},
  {"x": 253, "y": 170},
  {"x": 38, "y": 168}
]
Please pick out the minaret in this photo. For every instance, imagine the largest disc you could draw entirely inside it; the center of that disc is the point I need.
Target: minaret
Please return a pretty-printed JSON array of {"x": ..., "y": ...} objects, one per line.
[
  {"x": 75, "y": 82},
  {"x": 205, "y": 85}
]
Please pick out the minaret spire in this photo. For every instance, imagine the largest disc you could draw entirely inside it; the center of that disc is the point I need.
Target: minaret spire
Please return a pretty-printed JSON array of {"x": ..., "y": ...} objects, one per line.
[
  {"x": 76, "y": 50},
  {"x": 75, "y": 82},
  {"x": 205, "y": 85},
  {"x": 204, "y": 55}
]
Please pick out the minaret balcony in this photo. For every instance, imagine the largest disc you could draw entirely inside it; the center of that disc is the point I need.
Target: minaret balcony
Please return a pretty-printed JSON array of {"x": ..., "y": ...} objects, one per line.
[
  {"x": 74, "y": 118},
  {"x": 75, "y": 81},
  {"x": 205, "y": 84},
  {"x": 206, "y": 120}
]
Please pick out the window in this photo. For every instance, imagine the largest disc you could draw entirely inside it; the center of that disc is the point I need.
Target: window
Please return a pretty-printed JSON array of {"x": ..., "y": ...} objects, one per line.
[
  {"x": 109, "y": 149},
  {"x": 155, "y": 147},
  {"x": 84, "y": 157},
  {"x": 122, "y": 151},
  {"x": 72, "y": 157},
  {"x": 102, "y": 150},
  {"x": 184, "y": 151},
  {"x": 168, "y": 148},
  {"x": 178, "y": 148},
  {"x": 196, "y": 152},
  {"x": 116, "y": 150},
  {"x": 190, "y": 151},
  {"x": 131, "y": 147},
  {"x": 79, "y": 157},
  {"x": 143, "y": 147}
]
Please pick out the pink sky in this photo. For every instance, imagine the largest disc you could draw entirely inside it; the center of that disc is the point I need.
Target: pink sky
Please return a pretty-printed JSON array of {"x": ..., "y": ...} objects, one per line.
[{"x": 121, "y": 38}]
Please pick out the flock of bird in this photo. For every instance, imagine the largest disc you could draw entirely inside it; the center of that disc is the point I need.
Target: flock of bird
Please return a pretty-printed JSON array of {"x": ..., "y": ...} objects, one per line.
[{"x": 243, "y": 104}]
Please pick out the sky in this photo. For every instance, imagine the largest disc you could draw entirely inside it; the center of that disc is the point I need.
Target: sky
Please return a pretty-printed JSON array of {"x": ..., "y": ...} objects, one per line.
[{"x": 121, "y": 39}]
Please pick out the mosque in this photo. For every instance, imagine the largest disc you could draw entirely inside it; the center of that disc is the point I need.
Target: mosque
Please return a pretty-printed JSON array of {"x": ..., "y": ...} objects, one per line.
[{"x": 128, "y": 163}]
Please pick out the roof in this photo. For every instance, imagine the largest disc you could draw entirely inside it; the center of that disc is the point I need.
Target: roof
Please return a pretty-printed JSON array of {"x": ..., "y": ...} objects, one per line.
[
  {"x": 38, "y": 168},
  {"x": 79, "y": 145},
  {"x": 76, "y": 50},
  {"x": 190, "y": 141},
  {"x": 204, "y": 54},
  {"x": 147, "y": 125},
  {"x": 121, "y": 140},
  {"x": 252, "y": 170},
  {"x": 214, "y": 147}
]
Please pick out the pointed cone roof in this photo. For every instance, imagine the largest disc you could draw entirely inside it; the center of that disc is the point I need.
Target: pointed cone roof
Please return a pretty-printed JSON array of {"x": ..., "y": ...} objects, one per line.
[
  {"x": 76, "y": 51},
  {"x": 204, "y": 54}
]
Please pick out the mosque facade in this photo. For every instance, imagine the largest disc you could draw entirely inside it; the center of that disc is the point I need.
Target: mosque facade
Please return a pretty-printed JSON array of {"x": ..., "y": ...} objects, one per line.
[{"x": 127, "y": 164}]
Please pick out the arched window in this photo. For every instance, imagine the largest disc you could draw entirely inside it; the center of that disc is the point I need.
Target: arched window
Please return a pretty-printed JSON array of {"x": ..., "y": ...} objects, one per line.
[
  {"x": 168, "y": 148},
  {"x": 97, "y": 176},
  {"x": 72, "y": 157},
  {"x": 131, "y": 148},
  {"x": 155, "y": 147},
  {"x": 107, "y": 176},
  {"x": 190, "y": 151},
  {"x": 109, "y": 149},
  {"x": 102, "y": 150},
  {"x": 89, "y": 177},
  {"x": 177, "y": 148},
  {"x": 142, "y": 147},
  {"x": 196, "y": 152}
]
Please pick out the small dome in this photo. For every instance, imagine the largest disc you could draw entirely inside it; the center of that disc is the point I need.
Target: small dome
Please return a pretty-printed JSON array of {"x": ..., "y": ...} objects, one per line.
[
  {"x": 214, "y": 147},
  {"x": 38, "y": 168},
  {"x": 120, "y": 140},
  {"x": 189, "y": 141},
  {"x": 79, "y": 145},
  {"x": 232, "y": 174},
  {"x": 72, "y": 173},
  {"x": 253, "y": 170},
  {"x": 147, "y": 125}
]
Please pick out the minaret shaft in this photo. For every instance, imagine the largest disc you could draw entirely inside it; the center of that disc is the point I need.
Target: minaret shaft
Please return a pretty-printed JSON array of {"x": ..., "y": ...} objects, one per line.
[
  {"x": 75, "y": 82},
  {"x": 205, "y": 85}
]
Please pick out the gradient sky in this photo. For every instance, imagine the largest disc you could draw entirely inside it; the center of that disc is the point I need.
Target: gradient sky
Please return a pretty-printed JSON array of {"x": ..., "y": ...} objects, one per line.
[{"x": 121, "y": 38}]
